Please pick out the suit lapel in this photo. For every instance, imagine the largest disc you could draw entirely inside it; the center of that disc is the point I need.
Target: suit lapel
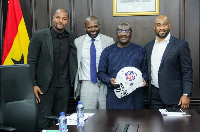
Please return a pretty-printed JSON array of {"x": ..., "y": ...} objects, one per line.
[
  {"x": 103, "y": 41},
  {"x": 71, "y": 40},
  {"x": 150, "y": 48},
  {"x": 79, "y": 45},
  {"x": 168, "y": 48},
  {"x": 49, "y": 43}
]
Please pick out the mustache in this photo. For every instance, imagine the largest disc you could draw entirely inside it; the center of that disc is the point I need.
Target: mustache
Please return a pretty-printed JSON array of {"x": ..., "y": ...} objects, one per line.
[
  {"x": 162, "y": 30},
  {"x": 93, "y": 31},
  {"x": 123, "y": 37},
  {"x": 59, "y": 23}
]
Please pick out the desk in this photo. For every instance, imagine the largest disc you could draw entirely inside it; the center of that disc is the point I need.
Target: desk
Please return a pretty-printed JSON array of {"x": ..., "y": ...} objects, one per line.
[{"x": 146, "y": 120}]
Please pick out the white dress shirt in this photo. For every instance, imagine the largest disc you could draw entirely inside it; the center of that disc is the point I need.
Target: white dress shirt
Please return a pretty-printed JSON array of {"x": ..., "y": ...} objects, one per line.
[
  {"x": 84, "y": 73},
  {"x": 156, "y": 57}
]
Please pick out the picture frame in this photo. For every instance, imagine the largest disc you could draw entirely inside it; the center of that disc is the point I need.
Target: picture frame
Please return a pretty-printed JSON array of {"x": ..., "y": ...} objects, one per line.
[{"x": 135, "y": 7}]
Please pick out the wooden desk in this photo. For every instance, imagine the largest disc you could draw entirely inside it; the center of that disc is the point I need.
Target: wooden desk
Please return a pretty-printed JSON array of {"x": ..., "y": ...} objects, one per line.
[{"x": 147, "y": 120}]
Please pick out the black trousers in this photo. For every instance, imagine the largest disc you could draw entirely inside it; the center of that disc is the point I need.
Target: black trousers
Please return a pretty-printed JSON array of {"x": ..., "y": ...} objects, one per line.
[
  {"x": 54, "y": 101},
  {"x": 156, "y": 101}
]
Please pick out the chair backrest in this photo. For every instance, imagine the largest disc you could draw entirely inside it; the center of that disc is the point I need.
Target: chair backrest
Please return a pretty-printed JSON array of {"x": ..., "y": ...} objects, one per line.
[{"x": 18, "y": 106}]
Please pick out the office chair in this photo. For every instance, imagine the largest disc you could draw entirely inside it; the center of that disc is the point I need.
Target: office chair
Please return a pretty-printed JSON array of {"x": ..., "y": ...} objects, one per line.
[{"x": 18, "y": 110}]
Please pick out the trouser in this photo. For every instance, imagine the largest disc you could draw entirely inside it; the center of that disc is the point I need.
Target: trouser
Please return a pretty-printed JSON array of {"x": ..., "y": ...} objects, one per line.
[
  {"x": 156, "y": 101},
  {"x": 135, "y": 100},
  {"x": 53, "y": 102},
  {"x": 93, "y": 96}
]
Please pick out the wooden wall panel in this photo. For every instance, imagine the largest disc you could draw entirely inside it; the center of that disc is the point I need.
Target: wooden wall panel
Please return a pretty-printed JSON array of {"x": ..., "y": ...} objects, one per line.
[
  {"x": 192, "y": 32},
  {"x": 142, "y": 26},
  {"x": 81, "y": 12},
  {"x": 41, "y": 14},
  {"x": 26, "y": 6}
]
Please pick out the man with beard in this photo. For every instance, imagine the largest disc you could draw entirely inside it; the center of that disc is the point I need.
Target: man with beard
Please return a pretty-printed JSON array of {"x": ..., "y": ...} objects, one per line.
[
  {"x": 52, "y": 59},
  {"x": 89, "y": 47},
  {"x": 169, "y": 68},
  {"x": 113, "y": 59}
]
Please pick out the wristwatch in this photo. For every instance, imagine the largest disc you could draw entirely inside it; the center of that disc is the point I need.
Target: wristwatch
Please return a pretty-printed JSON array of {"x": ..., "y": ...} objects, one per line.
[{"x": 188, "y": 95}]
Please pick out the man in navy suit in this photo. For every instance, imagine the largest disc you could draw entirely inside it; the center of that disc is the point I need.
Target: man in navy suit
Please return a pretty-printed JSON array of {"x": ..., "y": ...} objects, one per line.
[{"x": 169, "y": 68}]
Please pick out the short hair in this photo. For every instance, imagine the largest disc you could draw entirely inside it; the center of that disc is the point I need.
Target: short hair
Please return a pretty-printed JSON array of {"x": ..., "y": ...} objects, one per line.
[
  {"x": 124, "y": 23},
  {"x": 63, "y": 10},
  {"x": 166, "y": 17},
  {"x": 91, "y": 18}
]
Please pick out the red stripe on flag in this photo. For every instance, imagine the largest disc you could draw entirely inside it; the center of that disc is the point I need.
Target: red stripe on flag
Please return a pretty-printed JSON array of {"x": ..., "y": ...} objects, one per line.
[{"x": 14, "y": 17}]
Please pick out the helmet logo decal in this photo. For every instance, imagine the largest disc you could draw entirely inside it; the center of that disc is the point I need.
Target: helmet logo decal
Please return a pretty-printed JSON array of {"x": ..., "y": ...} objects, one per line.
[{"x": 130, "y": 75}]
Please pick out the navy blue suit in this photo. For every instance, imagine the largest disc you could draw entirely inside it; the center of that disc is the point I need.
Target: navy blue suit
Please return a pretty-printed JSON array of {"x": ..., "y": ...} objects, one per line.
[{"x": 175, "y": 72}]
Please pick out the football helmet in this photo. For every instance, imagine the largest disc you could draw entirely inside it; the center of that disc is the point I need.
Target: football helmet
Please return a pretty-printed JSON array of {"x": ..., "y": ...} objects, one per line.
[{"x": 129, "y": 79}]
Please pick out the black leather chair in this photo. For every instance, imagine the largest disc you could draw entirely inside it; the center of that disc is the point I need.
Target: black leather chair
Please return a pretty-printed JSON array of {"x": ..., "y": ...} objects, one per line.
[{"x": 18, "y": 111}]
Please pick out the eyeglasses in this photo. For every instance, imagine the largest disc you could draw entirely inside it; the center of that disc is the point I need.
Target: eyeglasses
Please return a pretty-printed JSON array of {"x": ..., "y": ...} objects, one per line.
[{"x": 124, "y": 31}]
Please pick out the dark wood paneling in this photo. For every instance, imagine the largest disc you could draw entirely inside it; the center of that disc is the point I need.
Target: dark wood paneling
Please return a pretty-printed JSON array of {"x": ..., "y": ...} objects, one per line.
[
  {"x": 182, "y": 19},
  {"x": 142, "y": 26},
  {"x": 192, "y": 31},
  {"x": 81, "y": 13},
  {"x": 1, "y": 29},
  {"x": 72, "y": 15},
  {"x": 26, "y": 6},
  {"x": 4, "y": 8},
  {"x": 90, "y": 7},
  {"x": 41, "y": 14}
]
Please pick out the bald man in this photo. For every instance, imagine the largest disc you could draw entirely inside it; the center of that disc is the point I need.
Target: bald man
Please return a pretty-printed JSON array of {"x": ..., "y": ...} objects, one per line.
[
  {"x": 52, "y": 58},
  {"x": 116, "y": 57},
  {"x": 89, "y": 47},
  {"x": 169, "y": 67}
]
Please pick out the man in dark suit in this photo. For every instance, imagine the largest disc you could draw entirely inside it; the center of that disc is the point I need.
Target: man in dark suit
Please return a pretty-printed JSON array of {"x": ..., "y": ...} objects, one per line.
[
  {"x": 169, "y": 68},
  {"x": 52, "y": 58}
]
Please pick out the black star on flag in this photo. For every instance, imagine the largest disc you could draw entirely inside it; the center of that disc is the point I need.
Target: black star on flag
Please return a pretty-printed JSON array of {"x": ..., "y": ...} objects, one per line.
[{"x": 21, "y": 61}]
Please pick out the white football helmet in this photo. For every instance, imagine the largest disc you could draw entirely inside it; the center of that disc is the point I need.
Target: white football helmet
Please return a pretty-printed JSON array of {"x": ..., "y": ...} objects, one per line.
[{"x": 129, "y": 79}]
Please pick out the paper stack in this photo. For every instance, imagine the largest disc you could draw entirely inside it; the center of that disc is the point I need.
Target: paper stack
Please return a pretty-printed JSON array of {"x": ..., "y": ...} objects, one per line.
[
  {"x": 72, "y": 119},
  {"x": 173, "y": 112}
]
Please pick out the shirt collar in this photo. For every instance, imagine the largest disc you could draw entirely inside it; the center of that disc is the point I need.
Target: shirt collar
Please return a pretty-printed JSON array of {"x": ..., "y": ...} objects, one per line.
[
  {"x": 56, "y": 34},
  {"x": 166, "y": 39},
  {"x": 88, "y": 38}
]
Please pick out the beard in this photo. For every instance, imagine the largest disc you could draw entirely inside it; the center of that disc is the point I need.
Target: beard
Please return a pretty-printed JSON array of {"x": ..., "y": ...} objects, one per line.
[
  {"x": 93, "y": 35},
  {"x": 59, "y": 29},
  {"x": 164, "y": 35},
  {"x": 124, "y": 42},
  {"x": 55, "y": 25}
]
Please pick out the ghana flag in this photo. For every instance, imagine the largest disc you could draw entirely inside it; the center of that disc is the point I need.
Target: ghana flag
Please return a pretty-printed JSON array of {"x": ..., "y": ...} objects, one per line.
[{"x": 16, "y": 41}]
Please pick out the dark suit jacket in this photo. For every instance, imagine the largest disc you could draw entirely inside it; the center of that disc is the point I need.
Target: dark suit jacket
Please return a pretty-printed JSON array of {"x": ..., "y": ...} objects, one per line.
[
  {"x": 40, "y": 58},
  {"x": 175, "y": 72}
]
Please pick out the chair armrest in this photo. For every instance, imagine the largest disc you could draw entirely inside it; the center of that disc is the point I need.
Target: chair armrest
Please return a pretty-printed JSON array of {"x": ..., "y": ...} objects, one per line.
[
  {"x": 7, "y": 129},
  {"x": 54, "y": 118}
]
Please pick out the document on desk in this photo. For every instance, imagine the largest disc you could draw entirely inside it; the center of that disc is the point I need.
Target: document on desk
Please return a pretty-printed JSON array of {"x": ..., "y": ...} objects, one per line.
[
  {"x": 72, "y": 119},
  {"x": 173, "y": 112}
]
